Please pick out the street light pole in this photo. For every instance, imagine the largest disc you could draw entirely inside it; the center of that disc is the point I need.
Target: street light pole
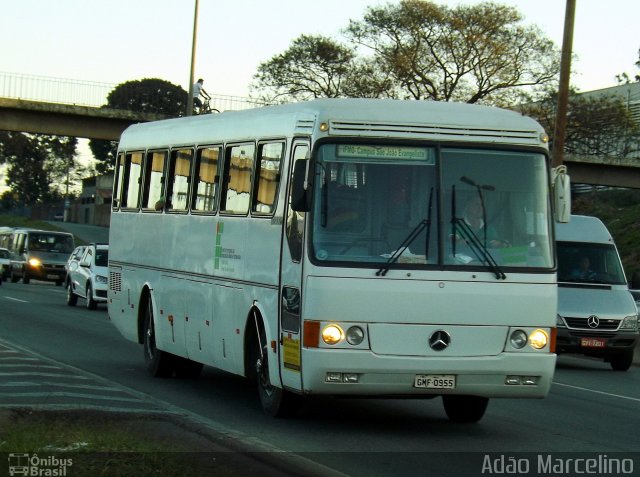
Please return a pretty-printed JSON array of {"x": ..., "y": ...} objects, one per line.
[
  {"x": 193, "y": 61},
  {"x": 563, "y": 92}
]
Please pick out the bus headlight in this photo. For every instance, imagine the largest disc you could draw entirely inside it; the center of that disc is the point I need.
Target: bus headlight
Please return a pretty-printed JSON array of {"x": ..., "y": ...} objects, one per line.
[
  {"x": 539, "y": 339},
  {"x": 355, "y": 335},
  {"x": 332, "y": 334},
  {"x": 34, "y": 262},
  {"x": 101, "y": 279},
  {"x": 518, "y": 339}
]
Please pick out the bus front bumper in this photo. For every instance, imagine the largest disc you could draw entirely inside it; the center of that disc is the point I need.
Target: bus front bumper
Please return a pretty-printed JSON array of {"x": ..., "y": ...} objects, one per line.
[{"x": 362, "y": 373}]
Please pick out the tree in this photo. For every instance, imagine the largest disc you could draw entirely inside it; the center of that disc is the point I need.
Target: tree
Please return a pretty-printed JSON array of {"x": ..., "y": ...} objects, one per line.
[
  {"x": 149, "y": 95},
  {"x": 624, "y": 78},
  {"x": 596, "y": 125},
  {"x": 37, "y": 164},
  {"x": 420, "y": 50}
]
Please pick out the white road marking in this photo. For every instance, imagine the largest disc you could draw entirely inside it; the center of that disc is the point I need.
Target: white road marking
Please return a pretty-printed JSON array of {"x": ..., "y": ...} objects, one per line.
[
  {"x": 598, "y": 392},
  {"x": 16, "y": 299}
]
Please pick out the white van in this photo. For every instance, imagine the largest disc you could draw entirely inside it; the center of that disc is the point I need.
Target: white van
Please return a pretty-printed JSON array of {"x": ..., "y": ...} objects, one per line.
[{"x": 597, "y": 316}]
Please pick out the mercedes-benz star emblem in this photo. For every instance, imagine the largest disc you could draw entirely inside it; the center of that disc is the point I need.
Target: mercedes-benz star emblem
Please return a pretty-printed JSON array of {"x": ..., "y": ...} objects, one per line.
[
  {"x": 439, "y": 340},
  {"x": 593, "y": 321}
]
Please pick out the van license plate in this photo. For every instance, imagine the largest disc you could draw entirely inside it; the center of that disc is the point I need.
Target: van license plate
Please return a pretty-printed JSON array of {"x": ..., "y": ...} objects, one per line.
[
  {"x": 52, "y": 277},
  {"x": 593, "y": 342},
  {"x": 435, "y": 381}
]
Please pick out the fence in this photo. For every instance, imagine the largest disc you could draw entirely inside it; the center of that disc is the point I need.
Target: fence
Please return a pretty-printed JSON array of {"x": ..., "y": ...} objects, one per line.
[{"x": 86, "y": 93}]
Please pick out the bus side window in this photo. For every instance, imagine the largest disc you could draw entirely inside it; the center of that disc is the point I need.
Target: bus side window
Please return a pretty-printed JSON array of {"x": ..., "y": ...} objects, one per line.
[
  {"x": 117, "y": 183},
  {"x": 206, "y": 180},
  {"x": 295, "y": 220},
  {"x": 131, "y": 181},
  {"x": 153, "y": 193},
  {"x": 267, "y": 177},
  {"x": 236, "y": 186},
  {"x": 179, "y": 180}
]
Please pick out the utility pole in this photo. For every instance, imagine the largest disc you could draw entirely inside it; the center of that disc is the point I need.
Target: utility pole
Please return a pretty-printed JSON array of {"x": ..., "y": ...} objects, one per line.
[
  {"x": 193, "y": 62},
  {"x": 563, "y": 92}
]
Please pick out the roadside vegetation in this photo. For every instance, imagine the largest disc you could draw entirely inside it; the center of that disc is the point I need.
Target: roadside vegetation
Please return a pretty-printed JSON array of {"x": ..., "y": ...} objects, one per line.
[{"x": 26, "y": 222}]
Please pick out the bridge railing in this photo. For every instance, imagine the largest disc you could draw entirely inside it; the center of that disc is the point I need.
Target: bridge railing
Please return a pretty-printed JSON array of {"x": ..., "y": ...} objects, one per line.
[{"x": 86, "y": 93}]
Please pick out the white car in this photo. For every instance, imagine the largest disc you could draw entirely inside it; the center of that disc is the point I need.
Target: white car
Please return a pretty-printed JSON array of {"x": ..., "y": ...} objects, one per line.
[
  {"x": 5, "y": 264},
  {"x": 89, "y": 278}
]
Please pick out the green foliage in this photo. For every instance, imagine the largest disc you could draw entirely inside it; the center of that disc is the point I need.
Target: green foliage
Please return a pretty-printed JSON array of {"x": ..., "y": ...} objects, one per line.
[
  {"x": 37, "y": 163},
  {"x": 620, "y": 212},
  {"x": 149, "y": 95},
  {"x": 420, "y": 50}
]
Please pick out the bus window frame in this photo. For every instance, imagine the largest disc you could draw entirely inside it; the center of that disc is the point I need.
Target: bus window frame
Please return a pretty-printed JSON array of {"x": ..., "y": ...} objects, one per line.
[
  {"x": 216, "y": 180},
  {"x": 226, "y": 177},
  {"x": 144, "y": 192},
  {"x": 257, "y": 167},
  {"x": 170, "y": 174},
  {"x": 127, "y": 176},
  {"x": 117, "y": 191}
]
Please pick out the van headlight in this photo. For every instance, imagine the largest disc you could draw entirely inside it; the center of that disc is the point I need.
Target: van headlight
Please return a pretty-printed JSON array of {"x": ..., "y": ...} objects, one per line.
[
  {"x": 560, "y": 322},
  {"x": 34, "y": 262},
  {"x": 630, "y": 323}
]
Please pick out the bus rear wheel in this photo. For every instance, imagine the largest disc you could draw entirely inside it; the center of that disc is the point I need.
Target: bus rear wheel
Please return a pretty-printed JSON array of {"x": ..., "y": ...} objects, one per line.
[
  {"x": 159, "y": 363},
  {"x": 465, "y": 408}
]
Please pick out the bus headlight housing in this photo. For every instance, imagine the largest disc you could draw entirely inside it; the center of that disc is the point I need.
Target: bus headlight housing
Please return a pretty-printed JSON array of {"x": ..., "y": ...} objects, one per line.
[
  {"x": 539, "y": 339},
  {"x": 332, "y": 334},
  {"x": 518, "y": 339}
]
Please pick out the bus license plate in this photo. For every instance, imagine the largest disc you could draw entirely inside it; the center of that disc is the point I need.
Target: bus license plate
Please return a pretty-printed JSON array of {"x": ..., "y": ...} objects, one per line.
[
  {"x": 435, "y": 381},
  {"x": 593, "y": 342}
]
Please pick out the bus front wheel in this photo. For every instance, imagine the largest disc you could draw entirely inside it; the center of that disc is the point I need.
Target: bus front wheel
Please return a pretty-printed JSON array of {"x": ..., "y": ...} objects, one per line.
[
  {"x": 159, "y": 363},
  {"x": 465, "y": 408},
  {"x": 275, "y": 401}
]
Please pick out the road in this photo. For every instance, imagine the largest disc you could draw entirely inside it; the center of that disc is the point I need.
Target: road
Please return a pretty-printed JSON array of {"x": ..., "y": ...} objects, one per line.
[{"x": 590, "y": 409}]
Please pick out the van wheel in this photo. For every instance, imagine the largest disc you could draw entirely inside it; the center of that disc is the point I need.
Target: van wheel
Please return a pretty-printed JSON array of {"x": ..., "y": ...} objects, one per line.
[
  {"x": 72, "y": 298},
  {"x": 622, "y": 361},
  {"x": 25, "y": 277},
  {"x": 160, "y": 364},
  {"x": 14, "y": 278},
  {"x": 465, "y": 408},
  {"x": 91, "y": 303}
]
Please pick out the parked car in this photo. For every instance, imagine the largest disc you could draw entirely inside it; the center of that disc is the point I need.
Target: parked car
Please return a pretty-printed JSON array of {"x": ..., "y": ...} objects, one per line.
[
  {"x": 5, "y": 264},
  {"x": 88, "y": 278}
]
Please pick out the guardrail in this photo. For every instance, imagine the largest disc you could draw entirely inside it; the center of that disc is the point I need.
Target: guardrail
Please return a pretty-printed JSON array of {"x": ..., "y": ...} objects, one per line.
[{"x": 86, "y": 93}]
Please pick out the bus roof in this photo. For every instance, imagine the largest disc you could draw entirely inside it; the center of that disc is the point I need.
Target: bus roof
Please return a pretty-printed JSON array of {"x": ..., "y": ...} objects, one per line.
[{"x": 431, "y": 120}]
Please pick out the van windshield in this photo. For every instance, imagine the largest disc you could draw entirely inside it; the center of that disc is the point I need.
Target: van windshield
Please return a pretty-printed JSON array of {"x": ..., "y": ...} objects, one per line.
[
  {"x": 589, "y": 263},
  {"x": 43, "y": 242}
]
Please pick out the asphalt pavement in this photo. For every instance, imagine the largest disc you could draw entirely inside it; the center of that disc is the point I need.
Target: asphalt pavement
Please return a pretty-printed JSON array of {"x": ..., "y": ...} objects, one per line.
[{"x": 88, "y": 233}]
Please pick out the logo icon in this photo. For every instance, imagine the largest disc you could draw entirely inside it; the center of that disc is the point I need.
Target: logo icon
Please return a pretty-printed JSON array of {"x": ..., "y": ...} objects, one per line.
[
  {"x": 439, "y": 340},
  {"x": 593, "y": 321},
  {"x": 18, "y": 464}
]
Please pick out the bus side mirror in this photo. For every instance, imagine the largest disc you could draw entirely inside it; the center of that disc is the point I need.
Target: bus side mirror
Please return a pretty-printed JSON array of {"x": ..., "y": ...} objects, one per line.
[
  {"x": 561, "y": 185},
  {"x": 300, "y": 187}
]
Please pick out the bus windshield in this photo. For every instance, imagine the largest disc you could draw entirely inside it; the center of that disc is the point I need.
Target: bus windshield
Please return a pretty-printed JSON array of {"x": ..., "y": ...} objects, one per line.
[{"x": 406, "y": 206}]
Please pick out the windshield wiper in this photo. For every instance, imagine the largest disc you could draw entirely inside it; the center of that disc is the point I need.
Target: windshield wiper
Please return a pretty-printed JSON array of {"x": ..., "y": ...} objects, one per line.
[
  {"x": 477, "y": 247},
  {"x": 417, "y": 230}
]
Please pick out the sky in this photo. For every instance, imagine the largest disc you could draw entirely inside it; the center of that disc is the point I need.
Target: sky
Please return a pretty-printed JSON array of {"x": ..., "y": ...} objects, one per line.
[
  {"x": 119, "y": 40},
  {"x": 113, "y": 41}
]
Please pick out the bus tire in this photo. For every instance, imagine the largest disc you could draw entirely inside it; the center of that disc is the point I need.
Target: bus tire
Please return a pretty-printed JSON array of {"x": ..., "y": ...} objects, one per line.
[
  {"x": 621, "y": 361},
  {"x": 72, "y": 298},
  {"x": 465, "y": 408},
  {"x": 275, "y": 401},
  {"x": 160, "y": 364}
]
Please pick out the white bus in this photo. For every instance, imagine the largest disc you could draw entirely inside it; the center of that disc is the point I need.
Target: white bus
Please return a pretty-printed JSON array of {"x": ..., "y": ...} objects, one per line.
[{"x": 338, "y": 247}]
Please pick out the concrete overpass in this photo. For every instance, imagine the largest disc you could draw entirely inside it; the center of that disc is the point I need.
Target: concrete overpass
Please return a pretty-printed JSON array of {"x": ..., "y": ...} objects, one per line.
[
  {"x": 604, "y": 171},
  {"x": 68, "y": 120}
]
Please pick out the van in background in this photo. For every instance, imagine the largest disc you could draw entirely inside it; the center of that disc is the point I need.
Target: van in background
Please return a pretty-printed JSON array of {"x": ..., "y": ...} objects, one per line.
[
  {"x": 39, "y": 254},
  {"x": 597, "y": 315}
]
